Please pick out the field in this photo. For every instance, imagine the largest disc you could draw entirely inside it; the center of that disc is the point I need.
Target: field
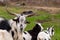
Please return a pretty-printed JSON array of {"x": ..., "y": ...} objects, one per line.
[{"x": 46, "y": 19}]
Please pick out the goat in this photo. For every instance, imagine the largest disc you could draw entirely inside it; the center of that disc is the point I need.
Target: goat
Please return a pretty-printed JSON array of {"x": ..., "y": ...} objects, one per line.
[
  {"x": 46, "y": 34},
  {"x": 32, "y": 34},
  {"x": 21, "y": 23},
  {"x": 14, "y": 26}
]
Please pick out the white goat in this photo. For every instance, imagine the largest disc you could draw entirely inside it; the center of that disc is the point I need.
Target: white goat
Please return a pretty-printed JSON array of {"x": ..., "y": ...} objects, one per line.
[{"x": 46, "y": 34}]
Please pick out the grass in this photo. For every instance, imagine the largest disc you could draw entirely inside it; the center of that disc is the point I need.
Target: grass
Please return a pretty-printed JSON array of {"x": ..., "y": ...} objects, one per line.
[{"x": 42, "y": 15}]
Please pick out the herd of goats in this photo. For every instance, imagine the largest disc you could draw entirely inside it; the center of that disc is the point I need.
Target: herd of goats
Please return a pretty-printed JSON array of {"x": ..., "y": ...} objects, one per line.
[{"x": 13, "y": 29}]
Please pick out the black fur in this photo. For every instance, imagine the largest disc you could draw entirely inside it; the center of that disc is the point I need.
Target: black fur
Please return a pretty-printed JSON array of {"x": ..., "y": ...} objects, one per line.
[
  {"x": 25, "y": 33},
  {"x": 34, "y": 32},
  {"x": 27, "y": 12},
  {"x": 12, "y": 32},
  {"x": 4, "y": 25},
  {"x": 23, "y": 38},
  {"x": 16, "y": 20}
]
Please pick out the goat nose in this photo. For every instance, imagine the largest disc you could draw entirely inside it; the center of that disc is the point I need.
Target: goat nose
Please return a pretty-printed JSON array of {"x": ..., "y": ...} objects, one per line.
[{"x": 21, "y": 25}]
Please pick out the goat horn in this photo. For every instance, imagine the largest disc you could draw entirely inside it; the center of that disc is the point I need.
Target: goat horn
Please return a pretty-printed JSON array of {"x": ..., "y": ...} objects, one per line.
[
  {"x": 30, "y": 15},
  {"x": 11, "y": 13},
  {"x": 6, "y": 6},
  {"x": 52, "y": 26}
]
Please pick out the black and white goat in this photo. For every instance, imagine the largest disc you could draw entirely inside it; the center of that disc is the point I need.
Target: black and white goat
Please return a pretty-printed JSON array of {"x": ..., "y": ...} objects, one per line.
[
  {"x": 21, "y": 23},
  {"x": 32, "y": 34},
  {"x": 14, "y": 26},
  {"x": 46, "y": 34}
]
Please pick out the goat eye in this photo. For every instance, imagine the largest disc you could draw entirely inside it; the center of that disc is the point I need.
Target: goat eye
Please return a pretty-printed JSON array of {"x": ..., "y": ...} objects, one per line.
[
  {"x": 14, "y": 19},
  {"x": 52, "y": 30},
  {"x": 17, "y": 20}
]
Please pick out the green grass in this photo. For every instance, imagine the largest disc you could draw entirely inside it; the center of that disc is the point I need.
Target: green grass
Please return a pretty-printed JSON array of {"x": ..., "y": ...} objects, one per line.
[{"x": 42, "y": 15}]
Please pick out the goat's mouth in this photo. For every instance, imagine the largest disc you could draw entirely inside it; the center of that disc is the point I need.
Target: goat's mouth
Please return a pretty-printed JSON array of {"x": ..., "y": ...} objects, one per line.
[{"x": 21, "y": 29}]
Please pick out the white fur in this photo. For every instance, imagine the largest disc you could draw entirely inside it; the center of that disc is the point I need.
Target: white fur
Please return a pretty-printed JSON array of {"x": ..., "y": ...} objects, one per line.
[
  {"x": 4, "y": 35},
  {"x": 27, "y": 36},
  {"x": 1, "y": 19},
  {"x": 42, "y": 36}
]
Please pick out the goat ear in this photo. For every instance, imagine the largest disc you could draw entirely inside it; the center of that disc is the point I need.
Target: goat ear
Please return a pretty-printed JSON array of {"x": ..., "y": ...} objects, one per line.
[
  {"x": 29, "y": 15},
  {"x": 14, "y": 19},
  {"x": 48, "y": 28},
  {"x": 53, "y": 26}
]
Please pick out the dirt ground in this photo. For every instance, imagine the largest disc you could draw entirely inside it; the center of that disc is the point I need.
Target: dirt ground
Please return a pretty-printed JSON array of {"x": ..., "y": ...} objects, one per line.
[{"x": 48, "y": 9}]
